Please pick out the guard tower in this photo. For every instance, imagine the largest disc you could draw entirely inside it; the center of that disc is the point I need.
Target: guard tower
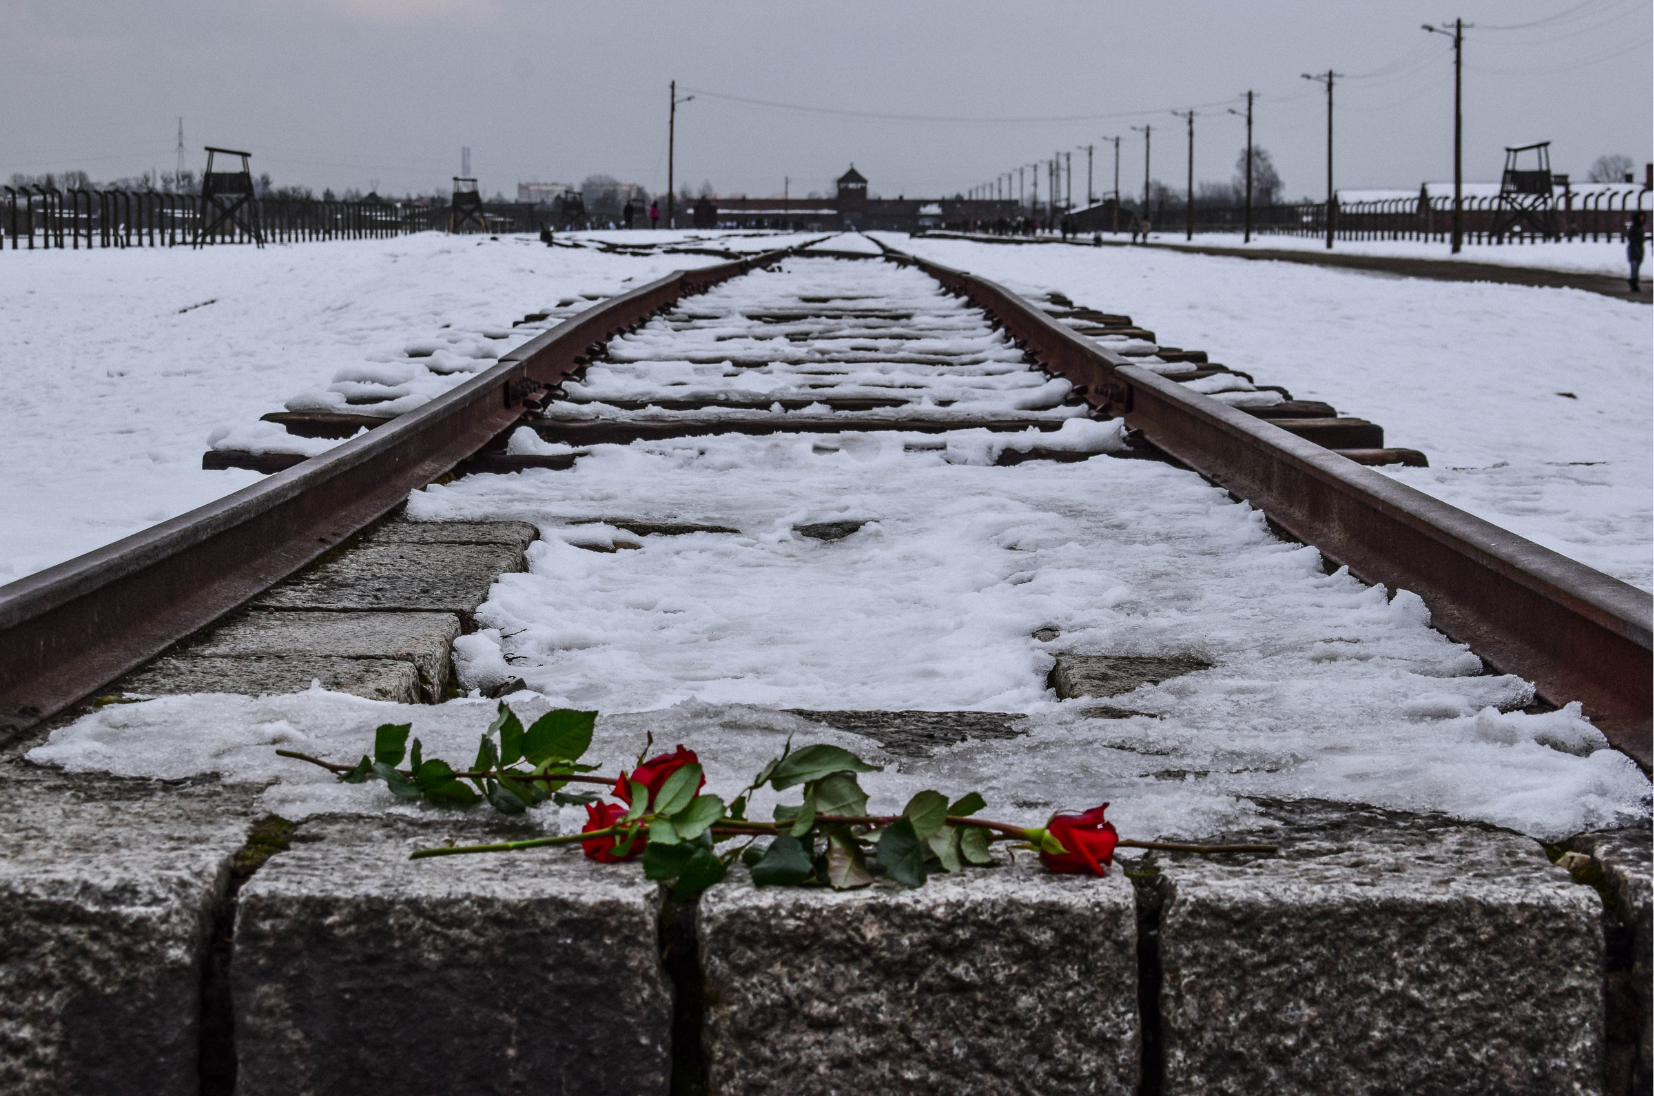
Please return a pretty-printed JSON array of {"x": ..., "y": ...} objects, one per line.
[
  {"x": 465, "y": 214},
  {"x": 227, "y": 199},
  {"x": 852, "y": 197},
  {"x": 1527, "y": 193}
]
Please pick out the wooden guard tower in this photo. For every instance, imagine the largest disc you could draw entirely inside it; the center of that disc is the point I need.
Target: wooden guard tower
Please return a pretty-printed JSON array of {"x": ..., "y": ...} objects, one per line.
[
  {"x": 465, "y": 214},
  {"x": 1527, "y": 194},
  {"x": 227, "y": 199}
]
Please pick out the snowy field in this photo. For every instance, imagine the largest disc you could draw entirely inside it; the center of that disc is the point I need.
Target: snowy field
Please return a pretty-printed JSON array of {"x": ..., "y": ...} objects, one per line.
[
  {"x": 1574, "y": 256},
  {"x": 1533, "y": 405},
  {"x": 962, "y": 583},
  {"x": 118, "y": 367}
]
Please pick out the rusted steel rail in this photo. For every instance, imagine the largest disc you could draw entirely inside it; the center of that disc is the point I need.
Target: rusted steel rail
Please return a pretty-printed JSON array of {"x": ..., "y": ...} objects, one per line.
[
  {"x": 74, "y": 627},
  {"x": 1575, "y": 632}
]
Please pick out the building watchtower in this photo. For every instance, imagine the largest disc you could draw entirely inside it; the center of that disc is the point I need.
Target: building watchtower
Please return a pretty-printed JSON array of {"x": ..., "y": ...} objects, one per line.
[{"x": 852, "y": 196}]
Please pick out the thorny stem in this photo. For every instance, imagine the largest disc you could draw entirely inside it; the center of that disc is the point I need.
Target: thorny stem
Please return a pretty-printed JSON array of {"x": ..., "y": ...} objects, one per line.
[
  {"x": 1174, "y": 846},
  {"x": 486, "y": 774},
  {"x": 512, "y": 846}
]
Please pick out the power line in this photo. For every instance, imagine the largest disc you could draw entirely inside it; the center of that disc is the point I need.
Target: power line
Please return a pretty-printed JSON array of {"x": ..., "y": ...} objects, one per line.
[
  {"x": 884, "y": 116},
  {"x": 1644, "y": 44}
]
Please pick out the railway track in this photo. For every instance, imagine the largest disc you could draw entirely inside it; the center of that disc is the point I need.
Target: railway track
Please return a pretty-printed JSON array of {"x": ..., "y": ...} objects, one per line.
[
  {"x": 906, "y": 506},
  {"x": 867, "y": 346}
]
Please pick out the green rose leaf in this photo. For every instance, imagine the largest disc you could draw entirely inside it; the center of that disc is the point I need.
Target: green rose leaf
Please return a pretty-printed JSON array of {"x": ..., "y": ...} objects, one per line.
[
  {"x": 574, "y": 799},
  {"x": 663, "y": 862},
  {"x": 390, "y": 743},
  {"x": 704, "y": 869},
  {"x": 358, "y": 775},
  {"x": 504, "y": 799},
  {"x": 944, "y": 845},
  {"x": 967, "y": 806},
  {"x": 902, "y": 853},
  {"x": 530, "y": 792},
  {"x": 784, "y": 864},
  {"x": 751, "y": 855},
  {"x": 838, "y": 793},
  {"x": 702, "y": 811},
  {"x": 662, "y": 832},
  {"x": 640, "y": 801},
  {"x": 927, "y": 811},
  {"x": 416, "y": 757},
  {"x": 783, "y": 813},
  {"x": 678, "y": 790},
  {"x": 624, "y": 840},
  {"x": 813, "y": 763},
  {"x": 488, "y": 758},
  {"x": 738, "y": 809},
  {"x": 510, "y": 729},
  {"x": 399, "y": 784},
  {"x": 436, "y": 781},
  {"x": 806, "y": 817},
  {"x": 846, "y": 868},
  {"x": 563, "y": 733},
  {"x": 973, "y": 846}
]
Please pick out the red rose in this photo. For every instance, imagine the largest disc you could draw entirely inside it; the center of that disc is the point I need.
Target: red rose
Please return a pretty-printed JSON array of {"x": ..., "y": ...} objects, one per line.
[
  {"x": 1089, "y": 840},
  {"x": 652, "y": 774},
  {"x": 600, "y": 816}
]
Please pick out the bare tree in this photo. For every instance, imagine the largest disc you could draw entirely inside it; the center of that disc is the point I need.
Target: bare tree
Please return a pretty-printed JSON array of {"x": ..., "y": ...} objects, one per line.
[
  {"x": 1611, "y": 168},
  {"x": 1266, "y": 181}
]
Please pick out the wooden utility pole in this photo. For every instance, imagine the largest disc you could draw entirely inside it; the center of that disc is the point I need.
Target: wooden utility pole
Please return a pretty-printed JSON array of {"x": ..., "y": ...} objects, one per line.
[
  {"x": 1116, "y": 141},
  {"x": 1090, "y": 199},
  {"x": 1189, "y": 203},
  {"x": 1457, "y": 34},
  {"x": 1331, "y": 216},
  {"x": 671, "y": 143},
  {"x": 1146, "y": 128},
  {"x": 1232, "y": 110}
]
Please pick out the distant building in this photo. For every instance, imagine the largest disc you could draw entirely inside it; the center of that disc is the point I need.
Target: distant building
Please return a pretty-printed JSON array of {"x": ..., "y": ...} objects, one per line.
[
  {"x": 542, "y": 193},
  {"x": 852, "y": 208}
]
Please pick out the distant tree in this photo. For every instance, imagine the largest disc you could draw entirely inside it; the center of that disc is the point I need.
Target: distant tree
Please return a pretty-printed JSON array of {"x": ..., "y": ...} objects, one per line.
[
  {"x": 1611, "y": 168},
  {"x": 327, "y": 195},
  {"x": 1266, "y": 181},
  {"x": 76, "y": 180},
  {"x": 707, "y": 190},
  {"x": 1216, "y": 195}
]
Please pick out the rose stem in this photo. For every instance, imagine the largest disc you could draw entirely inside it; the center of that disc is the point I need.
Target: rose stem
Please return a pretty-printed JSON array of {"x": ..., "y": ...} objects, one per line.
[{"x": 487, "y": 774}]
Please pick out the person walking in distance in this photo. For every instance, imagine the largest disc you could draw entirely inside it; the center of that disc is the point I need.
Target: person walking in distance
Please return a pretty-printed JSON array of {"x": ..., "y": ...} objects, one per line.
[
  {"x": 654, "y": 214},
  {"x": 628, "y": 213},
  {"x": 1634, "y": 237}
]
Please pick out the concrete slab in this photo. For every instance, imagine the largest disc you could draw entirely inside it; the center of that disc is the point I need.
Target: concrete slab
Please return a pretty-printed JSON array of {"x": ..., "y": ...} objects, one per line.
[
  {"x": 358, "y": 971},
  {"x": 919, "y": 734},
  {"x": 1381, "y": 952},
  {"x": 423, "y": 640},
  {"x": 519, "y": 534},
  {"x": 1624, "y": 872},
  {"x": 1007, "y": 980},
  {"x": 448, "y": 578},
  {"x": 107, "y": 895},
  {"x": 1110, "y": 675},
  {"x": 257, "y": 675}
]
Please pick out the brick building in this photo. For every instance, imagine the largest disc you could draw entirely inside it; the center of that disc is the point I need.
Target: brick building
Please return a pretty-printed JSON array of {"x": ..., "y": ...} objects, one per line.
[{"x": 851, "y": 208}]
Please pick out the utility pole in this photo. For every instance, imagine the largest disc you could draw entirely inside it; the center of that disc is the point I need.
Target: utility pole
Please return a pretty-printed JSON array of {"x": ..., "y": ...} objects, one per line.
[
  {"x": 1022, "y": 190},
  {"x": 178, "y": 178},
  {"x": 1232, "y": 110},
  {"x": 1090, "y": 199},
  {"x": 1328, "y": 79},
  {"x": 1189, "y": 203},
  {"x": 1458, "y": 126},
  {"x": 1068, "y": 165},
  {"x": 1146, "y": 128},
  {"x": 1116, "y": 141},
  {"x": 671, "y": 146}
]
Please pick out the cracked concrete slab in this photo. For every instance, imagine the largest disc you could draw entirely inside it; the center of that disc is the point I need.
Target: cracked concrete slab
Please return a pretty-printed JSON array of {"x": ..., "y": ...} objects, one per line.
[
  {"x": 107, "y": 893},
  {"x": 1004, "y": 980},
  {"x": 519, "y": 534},
  {"x": 450, "y": 578},
  {"x": 260, "y": 675},
  {"x": 1380, "y": 952},
  {"x": 1078, "y": 675},
  {"x": 358, "y": 971}
]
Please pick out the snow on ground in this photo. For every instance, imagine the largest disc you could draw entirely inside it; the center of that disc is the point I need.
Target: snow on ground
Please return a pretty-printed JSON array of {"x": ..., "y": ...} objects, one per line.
[
  {"x": 117, "y": 367},
  {"x": 1533, "y": 405},
  {"x": 1574, "y": 256},
  {"x": 961, "y": 584},
  {"x": 1319, "y": 686}
]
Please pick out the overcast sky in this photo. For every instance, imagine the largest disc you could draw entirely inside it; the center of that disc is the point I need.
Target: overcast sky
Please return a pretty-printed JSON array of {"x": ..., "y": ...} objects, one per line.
[{"x": 340, "y": 93}]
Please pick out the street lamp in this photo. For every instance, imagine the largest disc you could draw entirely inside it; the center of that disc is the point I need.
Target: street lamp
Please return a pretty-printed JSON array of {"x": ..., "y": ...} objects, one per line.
[
  {"x": 671, "y": 143},
  {"x": 1457, "y": 34}
]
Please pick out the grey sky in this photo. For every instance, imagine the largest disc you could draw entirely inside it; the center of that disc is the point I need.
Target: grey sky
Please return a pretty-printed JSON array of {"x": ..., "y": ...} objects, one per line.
[{"x": 343, "y": 92}]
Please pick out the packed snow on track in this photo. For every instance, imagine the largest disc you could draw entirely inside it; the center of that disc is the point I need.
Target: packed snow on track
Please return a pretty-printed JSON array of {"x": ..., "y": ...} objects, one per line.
[
  {"x": 122, "y": 366},
  {"x": 1533, "y": 405},
  {"x": 895, "y": 571}
]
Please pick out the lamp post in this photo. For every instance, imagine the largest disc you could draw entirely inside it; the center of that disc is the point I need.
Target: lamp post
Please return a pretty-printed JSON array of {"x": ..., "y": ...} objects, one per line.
[
  {"x": 1232, "y": 110},
  {"x": 671, "y": 145},
  {"x": 1146, "y": 129},
  {"x": 1457, "y": 34},
  {"x": 1189, "y": 202},
  {"x": 1116, "y": 141},
  {"x": 1328, "y": 79}
]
